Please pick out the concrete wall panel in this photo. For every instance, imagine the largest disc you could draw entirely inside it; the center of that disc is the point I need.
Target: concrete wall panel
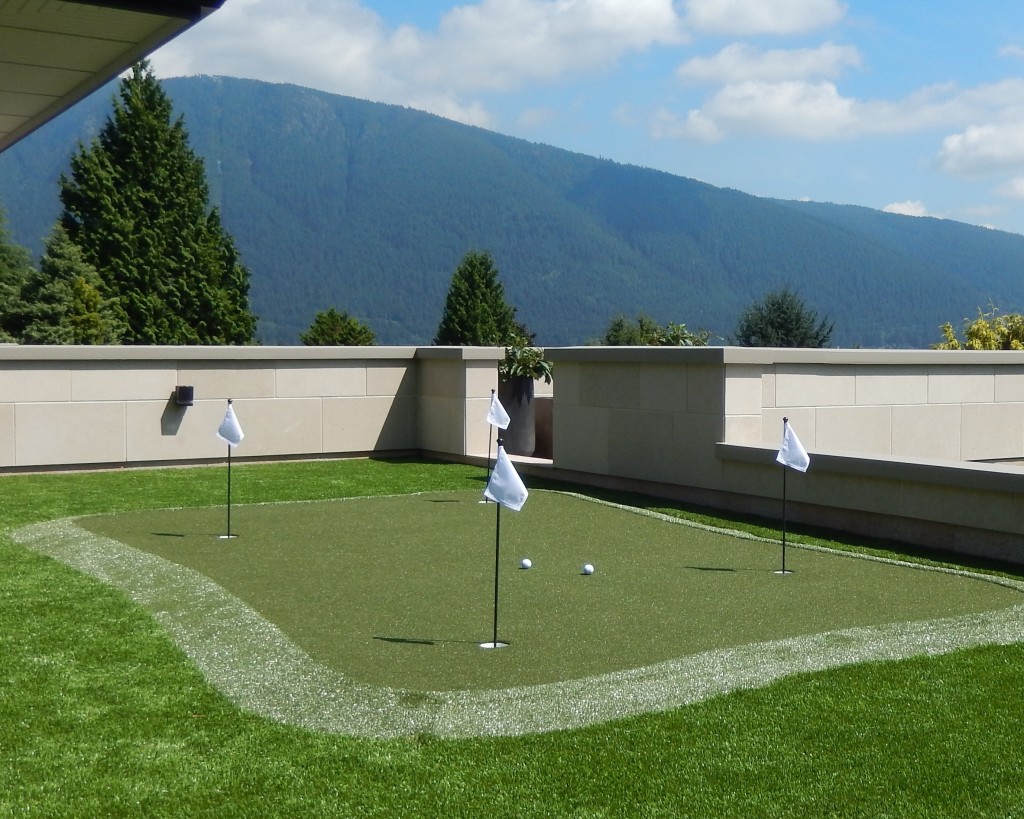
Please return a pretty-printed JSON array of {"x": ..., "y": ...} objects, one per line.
[
  {"x": 927, "y": 431},
  {"x": 854, "y": 429},
  {"x": 311, "y": 380},
  {"x": 25, "y": 383},
  {"x": 70, "y": 433},
  {"x": 368, "y": 424},
  {"x": 877, "y": 385}
]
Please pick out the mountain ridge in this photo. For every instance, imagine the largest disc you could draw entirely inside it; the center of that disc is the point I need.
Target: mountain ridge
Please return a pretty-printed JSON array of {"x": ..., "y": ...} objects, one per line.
[{"x": 369, "y": 208}]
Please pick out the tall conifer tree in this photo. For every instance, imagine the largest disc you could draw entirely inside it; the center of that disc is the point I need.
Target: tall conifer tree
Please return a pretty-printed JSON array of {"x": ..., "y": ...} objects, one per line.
[
  {"x": 15, "y": 268},
  {"x": 136, "y": 203},
  {"x": 475, "y": 311},
  {"x": 63, "y": 301}
]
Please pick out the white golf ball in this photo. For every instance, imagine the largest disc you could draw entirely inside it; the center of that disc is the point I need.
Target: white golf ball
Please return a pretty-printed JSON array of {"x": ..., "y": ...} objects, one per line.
[
  {"x": 588, "y": 568},
  {"x": 525, "y": 563}
]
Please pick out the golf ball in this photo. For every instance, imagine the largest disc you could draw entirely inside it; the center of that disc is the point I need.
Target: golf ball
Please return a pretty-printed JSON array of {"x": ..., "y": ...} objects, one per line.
[
  {"x": 588, "y": 568},
  {"x": 525, "y": 563}
]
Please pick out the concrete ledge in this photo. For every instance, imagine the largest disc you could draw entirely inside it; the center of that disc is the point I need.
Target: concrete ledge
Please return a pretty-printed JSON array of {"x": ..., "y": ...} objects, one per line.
[{"x": 985, "y": 477}]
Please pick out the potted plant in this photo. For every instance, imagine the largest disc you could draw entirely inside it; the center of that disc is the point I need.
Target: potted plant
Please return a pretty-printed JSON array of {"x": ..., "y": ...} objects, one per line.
[{"x": 517, "y": 372}]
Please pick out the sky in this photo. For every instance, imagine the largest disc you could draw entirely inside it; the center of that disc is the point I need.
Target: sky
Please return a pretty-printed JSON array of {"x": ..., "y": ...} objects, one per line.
[{"x": 899, "y": 105}]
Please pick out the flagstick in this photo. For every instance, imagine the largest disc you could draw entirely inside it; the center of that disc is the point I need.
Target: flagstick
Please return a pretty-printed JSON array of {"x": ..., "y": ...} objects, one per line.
[
  {"x": 497, "y": 550},
  {"x": 785, "y": 469},
  {"x": 229, "y": 535},
  {"x": 497, "y": 562},
  {"x": 489, "y": 446}
]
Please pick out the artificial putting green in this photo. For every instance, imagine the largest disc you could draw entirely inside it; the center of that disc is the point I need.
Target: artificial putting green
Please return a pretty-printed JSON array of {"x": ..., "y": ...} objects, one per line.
[{"x": 398, "y": 591}]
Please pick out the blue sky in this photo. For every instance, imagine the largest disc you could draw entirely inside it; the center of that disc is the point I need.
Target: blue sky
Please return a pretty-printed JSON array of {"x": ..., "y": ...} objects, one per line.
[{"x": 908, "y": 106}]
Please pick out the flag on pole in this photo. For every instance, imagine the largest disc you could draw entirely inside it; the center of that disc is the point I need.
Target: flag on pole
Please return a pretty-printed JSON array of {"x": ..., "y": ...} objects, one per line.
[
  {"x": 792, "y": 452},
  {"x": 497, "y": 416},
  {"x": 230, "y": 431},
  {"x": 505, "y": 486}
]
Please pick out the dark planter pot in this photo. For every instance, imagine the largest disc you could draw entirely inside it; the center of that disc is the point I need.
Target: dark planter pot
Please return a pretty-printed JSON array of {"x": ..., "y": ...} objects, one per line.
[{"x": 516, "y": 396}]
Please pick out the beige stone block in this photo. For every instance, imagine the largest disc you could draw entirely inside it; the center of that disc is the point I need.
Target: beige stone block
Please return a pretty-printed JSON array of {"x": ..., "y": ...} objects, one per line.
[
  {"x": 478, "y": 434},
  {"x": 162, "y": 430},
  {"x": 442, "y": 378},
  {"x": 66, "y": 433},
  {"x": 854, "y": 429},
  {"x": 743, "y": 390},
  {"x": 7, "y": 413},
  {"x": 36, "y": 382},
  {"x": 958, "y": 505},
  {"x": 282, "y": 426},
  {"x": 441, "y": 423},
  {"x": 391, "y": 380},
  {"x": 691, "y": 449},
  {"x": 244, "y": 380},
  {"x": 931, "y": 431},
  {"x": 581, "y": 438},
  {"x": 891, "y": 385},
  {"x": 480, "y": 378},
  {"x": 639, "y": 445},
  {"x": 568, "y": 383},
  {"x": 846, "y": 491},
  {"x": 742, "y": 429},
  {"x": 961, "y": 385},
  {"x": 768, "y": 389},
  {"x": 800, "y": 386},
  {"x": 803, "y": 422},
  {"x": 657, "y": 387},
  {"x": 117, "y": 381},
  {"x": 705, "y": 389},
  {"x": 368, "y": 424},
  {"x": 992, "y": 431},
  {"x": 1009, "y": 384},
  {"x": 317, "y": 379}
]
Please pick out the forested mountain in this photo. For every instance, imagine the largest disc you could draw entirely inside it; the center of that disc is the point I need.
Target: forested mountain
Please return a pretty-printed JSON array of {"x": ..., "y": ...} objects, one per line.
[{"x": 337, "y": 202}]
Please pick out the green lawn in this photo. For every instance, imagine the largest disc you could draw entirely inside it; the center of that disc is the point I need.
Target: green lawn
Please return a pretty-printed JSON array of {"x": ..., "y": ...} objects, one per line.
[{"x": 103, "y": 714}]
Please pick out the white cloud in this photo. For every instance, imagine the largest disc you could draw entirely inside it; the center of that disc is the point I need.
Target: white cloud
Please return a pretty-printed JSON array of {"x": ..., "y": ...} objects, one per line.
[
  {"x": 795, "y": 109},
  {"x": 1012, "y": 50},
  {"x": 984, "y": 149},
  {"x": 818, "y": 111},
  {"x": 491, "y": 45},
  {"x": 913, "y": 207},
  {"x": 1013, "y": 189},
  {"x": 753, "y": 17},
  {"x": 739, "y": 62}
]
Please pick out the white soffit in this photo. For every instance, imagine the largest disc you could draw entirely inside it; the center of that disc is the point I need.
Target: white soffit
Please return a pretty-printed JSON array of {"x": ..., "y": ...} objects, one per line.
[{"x": 54, "y": 52}]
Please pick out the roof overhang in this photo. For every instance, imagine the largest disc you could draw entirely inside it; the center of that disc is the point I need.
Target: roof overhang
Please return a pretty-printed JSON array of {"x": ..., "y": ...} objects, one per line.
[{"x": 54, "y": 53}]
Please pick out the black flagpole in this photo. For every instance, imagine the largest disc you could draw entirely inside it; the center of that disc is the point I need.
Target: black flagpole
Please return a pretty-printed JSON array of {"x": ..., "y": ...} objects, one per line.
[
  {"x": 228, "y": 535},
  {"x": 497, "y": 551},
  {"x": 497, "y": 562},
  {"x": 785, "y": 469},
  {"x": 489, "y": 443}
]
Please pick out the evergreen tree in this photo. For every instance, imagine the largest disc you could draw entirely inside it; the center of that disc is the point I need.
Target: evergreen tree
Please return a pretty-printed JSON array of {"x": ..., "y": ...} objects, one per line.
[
  {"x": 475, "y": 311},
  {"x": 781, "y": 319},
  {"x": 136, "y": 203},
  {"x": 645, "y": 331},
  {"x": 15, "y": 268},
  {"x": 63, "y": 302},
  {"x": 330, "y": 328}
]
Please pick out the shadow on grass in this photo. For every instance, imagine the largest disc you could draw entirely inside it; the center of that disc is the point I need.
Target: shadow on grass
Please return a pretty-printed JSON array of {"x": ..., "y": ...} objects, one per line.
[{"x": 424, "y": 641}]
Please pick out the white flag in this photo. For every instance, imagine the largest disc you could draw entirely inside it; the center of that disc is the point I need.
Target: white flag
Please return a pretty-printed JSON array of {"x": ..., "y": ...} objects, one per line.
[
  {"x": 792, "y": 452},
  {"x": 505, "y": 486},
  {"x": 497, "y": 416},
  {"x": 230, "y": 431}
]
